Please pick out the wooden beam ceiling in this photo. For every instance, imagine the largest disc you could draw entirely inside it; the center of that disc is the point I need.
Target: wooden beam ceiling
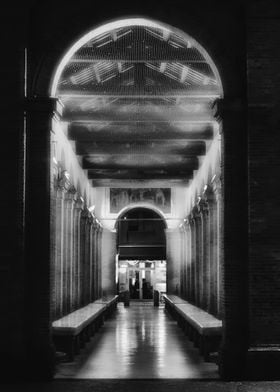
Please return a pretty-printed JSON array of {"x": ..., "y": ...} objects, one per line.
[
  {"x": 150, "y": 174},
  {"x": 127, "y": 115},
  {"x": 139, "y": 161},
  {"x": 184, "y": 148},
  {"x": 131, "y": 183},
  {"x": 138, "y": 104},
  {"x": 95, "y": 132},
  {"x": 113, "y": 90}
]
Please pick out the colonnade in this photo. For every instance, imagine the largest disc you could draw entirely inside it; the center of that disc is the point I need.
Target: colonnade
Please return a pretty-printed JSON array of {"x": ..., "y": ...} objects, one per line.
[
  {"x": 200, "y": 253},
  {"x": 76, "y": 251}
]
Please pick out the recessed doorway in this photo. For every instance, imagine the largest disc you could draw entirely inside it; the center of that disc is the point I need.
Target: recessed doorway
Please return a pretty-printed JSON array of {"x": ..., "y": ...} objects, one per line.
[{"x": 142, "y": 277}]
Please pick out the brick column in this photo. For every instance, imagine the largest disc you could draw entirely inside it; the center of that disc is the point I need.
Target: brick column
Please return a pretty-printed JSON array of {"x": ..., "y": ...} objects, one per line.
[
  {"x": 40, "y": 113},
  {"x": 234, "y": 267}
]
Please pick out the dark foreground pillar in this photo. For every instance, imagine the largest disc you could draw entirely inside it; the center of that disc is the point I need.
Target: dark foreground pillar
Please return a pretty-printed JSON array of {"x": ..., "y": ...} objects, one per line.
[
  {"x": 40, "y": 352},
  {"x": 234, "y": 263}
]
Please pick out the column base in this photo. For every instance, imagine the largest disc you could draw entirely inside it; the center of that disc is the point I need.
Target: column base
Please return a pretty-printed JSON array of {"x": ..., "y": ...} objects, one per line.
[
  {"x": 232, "y": 363},
  {"x": 38, "y": 365},
  {"x": 263, "y": 363}
]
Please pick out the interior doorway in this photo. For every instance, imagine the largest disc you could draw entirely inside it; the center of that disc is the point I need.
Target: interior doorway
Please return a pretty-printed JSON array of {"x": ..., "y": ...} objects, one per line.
[
  {"x": 142, "y": 277},
  {"x": 141, "y": 253}
]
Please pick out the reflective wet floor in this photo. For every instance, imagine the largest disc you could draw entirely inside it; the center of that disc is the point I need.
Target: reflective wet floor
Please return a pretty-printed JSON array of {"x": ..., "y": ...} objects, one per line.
[{"x": 140, "y": 341}]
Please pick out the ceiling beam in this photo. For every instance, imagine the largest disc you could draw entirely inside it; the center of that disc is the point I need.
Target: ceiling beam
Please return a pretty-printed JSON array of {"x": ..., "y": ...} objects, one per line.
[
  {"x": 185, "y": 148},
  {"x": 95, "y": 174},
  {"x": 140, "y": 161},
  {"x": 146, "y": 132},
  {"x": 111, "y": 183},
  {"x": 160, "y": 51},
  {"x": 167, "y": 59},
  {"x": 165, "y": 116},
  {"x": 114, "y": 90}
]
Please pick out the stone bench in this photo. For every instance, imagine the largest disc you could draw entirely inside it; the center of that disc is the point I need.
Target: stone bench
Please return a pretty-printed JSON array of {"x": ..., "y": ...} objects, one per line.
[
  {"x": 110, "y": 302},
  {"x": 203, "y": 329},
  {"x": 72, "y": 331}
]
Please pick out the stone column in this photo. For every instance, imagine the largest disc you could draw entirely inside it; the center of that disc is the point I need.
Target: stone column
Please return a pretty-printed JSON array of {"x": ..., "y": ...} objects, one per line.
[
  {"x": 90, "y": 259},
  {"x": 58, "y": 256},
  {"x": 198, "y": 256},
  {"x": 218, "y": 246},
  {"x": 205, "y": 271},
  {"x": 188, "y": 257},
  {"x": 87, "y": 275},
  {"x": 108, "y": 244},
  {"x": 213, "y": 253},
  {"x": 185, "y": 260},
  {"x": 40, "y": 112},
  {"x": 99, "y": 257},
  {"x": 76, "y": 293},
  {"x": 193, "y": 257},
  {"x": 182, "y": 262},
  {"x": 173, "y": 260},
  {"x": 83, "y": 256},
  {"x": 94, "y": 260}
]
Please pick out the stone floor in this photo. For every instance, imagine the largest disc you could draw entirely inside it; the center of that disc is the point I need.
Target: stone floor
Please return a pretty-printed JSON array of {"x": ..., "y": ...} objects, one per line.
[
  {"x": 138, "y": 342},
  {"x": 142, "y": 385},
  {"x": 140, "y": 349}
]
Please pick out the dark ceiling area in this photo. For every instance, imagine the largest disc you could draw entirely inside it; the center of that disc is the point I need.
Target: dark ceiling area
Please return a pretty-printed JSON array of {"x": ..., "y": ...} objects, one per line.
[{"x": 138, "y": 101}]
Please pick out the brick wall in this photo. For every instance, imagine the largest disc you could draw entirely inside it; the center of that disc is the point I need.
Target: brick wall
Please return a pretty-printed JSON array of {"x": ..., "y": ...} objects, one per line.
[{"x": 263, "y": 58}]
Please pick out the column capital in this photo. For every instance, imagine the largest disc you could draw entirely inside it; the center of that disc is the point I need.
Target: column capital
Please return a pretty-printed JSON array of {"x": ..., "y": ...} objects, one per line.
[
  {"x": 216, "y": 184},
  {"x": 63, "y": 181},
  {"x": 186, "y": 223},
  {"x": 69, "y": 196},
  {"x": 79, "y": 203},
  {"x": 195, "y": 214},
  {"x": 85, "y": 213},
  {"x": 60, "y": 193},
  {"x": 203, "y": 207},
  {"x": 91, "y": 220},
  {"x": 209, "y": 195}
]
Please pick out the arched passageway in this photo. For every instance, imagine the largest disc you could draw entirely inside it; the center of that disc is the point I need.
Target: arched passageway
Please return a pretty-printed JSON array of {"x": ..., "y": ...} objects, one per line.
[
  {"x": 136, "y": 128},
  {"x": 141, "y": 253}
]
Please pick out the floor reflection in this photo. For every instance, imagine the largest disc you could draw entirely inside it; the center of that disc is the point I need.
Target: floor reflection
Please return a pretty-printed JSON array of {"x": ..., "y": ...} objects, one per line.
[{"x": 139, "y": 342}]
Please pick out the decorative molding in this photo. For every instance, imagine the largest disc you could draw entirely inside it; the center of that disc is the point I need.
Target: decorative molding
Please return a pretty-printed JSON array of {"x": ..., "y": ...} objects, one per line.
[{"x": 216, "y": 184}]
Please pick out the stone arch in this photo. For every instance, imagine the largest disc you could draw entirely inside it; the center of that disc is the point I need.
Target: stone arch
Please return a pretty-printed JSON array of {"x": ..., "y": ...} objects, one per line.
[
  {"x": 125, "y": 22},
  {"x": 147, "y": 206}
]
